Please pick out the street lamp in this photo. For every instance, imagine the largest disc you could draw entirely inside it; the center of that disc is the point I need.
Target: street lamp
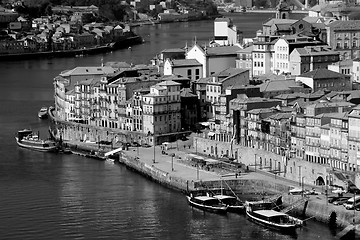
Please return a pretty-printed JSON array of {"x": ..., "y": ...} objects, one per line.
[
  {"x": 197, "y": 171},
  {"x": 255, "y": 161},
  {"x": 302, "y": 186},
  {"x": 154, "y": 150},
  {"x": 300, "y": 175},
  {"x": 196, "y": 145},
  {"x": 172, "y": 162}
]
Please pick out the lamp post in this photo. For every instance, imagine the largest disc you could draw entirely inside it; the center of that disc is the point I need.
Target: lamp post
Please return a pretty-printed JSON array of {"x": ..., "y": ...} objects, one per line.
[
  {"x": 354, "y": 208},
  {"x": 197, "y": 171},
  {"x": 196, "y": 145},
  {"x": 255, "y": 161},
  {"x": 302, "y": 186},
  {"x": 154, "y": 150},
  {"x": 172, "y": 162},
  {"x": 300, "y": 175}
]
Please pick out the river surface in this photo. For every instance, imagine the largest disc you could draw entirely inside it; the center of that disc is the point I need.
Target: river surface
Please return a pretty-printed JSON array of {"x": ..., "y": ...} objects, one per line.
[{"x": 53, "y": 196}]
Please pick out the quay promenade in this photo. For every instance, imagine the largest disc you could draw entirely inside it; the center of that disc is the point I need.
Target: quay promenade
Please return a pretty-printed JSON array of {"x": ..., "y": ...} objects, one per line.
[{"x": 173, "y": 171}]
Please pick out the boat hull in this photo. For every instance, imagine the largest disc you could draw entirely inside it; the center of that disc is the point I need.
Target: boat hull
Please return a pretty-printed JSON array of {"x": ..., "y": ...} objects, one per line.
[
  {"x": 236, "y": 209},
  {"x": 289, "y": 228},
  {"x": 35, "y": 147},
  {"x": 42, "y": 115},
  {"x": 213, "y": 209}
]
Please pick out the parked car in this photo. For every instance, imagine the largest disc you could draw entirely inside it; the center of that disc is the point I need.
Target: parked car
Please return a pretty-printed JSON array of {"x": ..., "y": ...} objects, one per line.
[
  {"x": 311, "y": 192},
  {"x": 296, "y": 191},
  {"x": 337, "y": 198},
  {"x": 135, "y": 144},
  {"x": 340, "y": 201},
  {"x": 145, "y": 145},
  {"x": 353, "y": 189},
  {"x": 352, "y": 202}
]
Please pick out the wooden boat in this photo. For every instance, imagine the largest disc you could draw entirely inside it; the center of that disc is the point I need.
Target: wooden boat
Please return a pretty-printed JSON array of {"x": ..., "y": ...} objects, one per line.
[
  {"x": 207, "y": 203},
  {"x": 271, "y": 218},
  {"x": 26, "y": 139},
  {"x": 233, "y": 203},
  {"x": 43, "y": 113}
]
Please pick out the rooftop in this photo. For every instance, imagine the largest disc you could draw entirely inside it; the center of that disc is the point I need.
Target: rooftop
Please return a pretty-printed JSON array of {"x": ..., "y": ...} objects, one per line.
[{"x": 321, "y": 73}]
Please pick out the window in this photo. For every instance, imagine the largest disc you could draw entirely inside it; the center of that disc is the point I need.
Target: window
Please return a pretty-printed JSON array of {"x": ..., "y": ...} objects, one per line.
[
  {"x": 197, "y": 73},
  {"x": 189, "y": 73}
]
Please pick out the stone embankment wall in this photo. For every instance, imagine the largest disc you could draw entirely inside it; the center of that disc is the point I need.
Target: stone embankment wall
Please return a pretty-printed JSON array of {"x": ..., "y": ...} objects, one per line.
[
  {"x": 156, "y": 174},
  {"x": 297, "y": 170},
  {"x": 245, "y": 187},
  {"x": 321, "y": 211}
]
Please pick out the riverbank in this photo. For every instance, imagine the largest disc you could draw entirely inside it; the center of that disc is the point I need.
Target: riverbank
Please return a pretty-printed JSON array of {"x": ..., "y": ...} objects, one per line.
[
  {"x": 174, "y": 171},
  {"x": 121, "y": 43}
]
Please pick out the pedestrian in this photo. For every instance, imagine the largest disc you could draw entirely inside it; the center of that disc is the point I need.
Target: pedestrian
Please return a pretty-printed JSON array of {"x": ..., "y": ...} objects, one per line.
[
  {"x": 189, "y": 146},
  {"x": 236, "y": 175}
]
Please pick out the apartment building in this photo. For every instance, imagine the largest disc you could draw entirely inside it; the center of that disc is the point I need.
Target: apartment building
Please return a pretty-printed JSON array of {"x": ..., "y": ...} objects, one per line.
[
  {"x": 344, "y": 37},
  {"x": 162, "y": 111}
]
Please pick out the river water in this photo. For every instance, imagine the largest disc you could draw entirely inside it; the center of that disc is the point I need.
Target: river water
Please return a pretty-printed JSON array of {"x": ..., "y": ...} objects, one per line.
[{"x": 53, "y": 196}]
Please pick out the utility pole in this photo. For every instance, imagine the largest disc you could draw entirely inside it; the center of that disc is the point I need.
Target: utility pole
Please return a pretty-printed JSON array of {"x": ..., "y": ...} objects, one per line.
[
  {"x": 154, "y": 150},
  {"x": 197, "y": 171},
  {"x": 196, "y": 145},
  {"x": 255, "y": 161},
  {"x": 172, "y": 162}
]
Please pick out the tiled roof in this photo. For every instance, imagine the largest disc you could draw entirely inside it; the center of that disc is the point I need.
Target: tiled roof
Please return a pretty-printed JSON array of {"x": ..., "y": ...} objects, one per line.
[
  {"x": 321, "y": 73},
  {"x": 283, "y": 27},
  {"x": 278, "y": 85},
  {"x": 312, "y": 19},
  {"x": 222, "y": 50},
  {"x": 316, "y": 51},
  {"x": 229, "y": 72},
  {"x": 88, "y": 82},
  {"x": 168, "y": 83},
  {"x": 186, "y": 92},
  {"x": 343, "y": 115},
  {"x": 331, "y": 104},
  {"x": 279, "y": 21},
  {"x": 248, "y": 49},
  {"x": 173, "y": 50},
  {"x": 281, "y": 115},
  {"x": 345, "y": 25},
  {"x": 88, "y": 71},
  {"x": 185, "y": 62}
]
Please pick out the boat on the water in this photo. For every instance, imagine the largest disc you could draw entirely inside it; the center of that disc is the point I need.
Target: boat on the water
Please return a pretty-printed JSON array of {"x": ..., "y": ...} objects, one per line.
[
  {"x": 207, "y": 203},
  {"x": 271, "y": 218},
  {"x": 233, "y": 203},
  {"x": 43, "y": 113},
  {"x": 26, "y": 139}
]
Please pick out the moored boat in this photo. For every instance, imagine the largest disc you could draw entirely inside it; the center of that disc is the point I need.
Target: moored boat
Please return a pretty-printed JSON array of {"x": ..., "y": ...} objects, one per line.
[
  {"x": 233, "y": 203},
  {"x": 26, "y": 139},
  {"x": 43, "y": 113},
  {"x": 271, "y": 218},
  {"x": 207, "y": 203}
]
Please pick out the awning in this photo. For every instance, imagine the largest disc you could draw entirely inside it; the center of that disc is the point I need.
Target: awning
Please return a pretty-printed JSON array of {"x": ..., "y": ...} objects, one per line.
[
  {"x": 211, "y": 161},
  {"x": 211, "y": 134}
]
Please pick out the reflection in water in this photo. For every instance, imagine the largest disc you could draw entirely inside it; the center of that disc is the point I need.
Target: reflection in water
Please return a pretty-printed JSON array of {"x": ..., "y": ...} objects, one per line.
[{"x": 54, "y": 196}]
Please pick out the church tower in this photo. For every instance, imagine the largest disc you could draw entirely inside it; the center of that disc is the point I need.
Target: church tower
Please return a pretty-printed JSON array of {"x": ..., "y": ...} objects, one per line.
[{"x": 283, "y": 10}]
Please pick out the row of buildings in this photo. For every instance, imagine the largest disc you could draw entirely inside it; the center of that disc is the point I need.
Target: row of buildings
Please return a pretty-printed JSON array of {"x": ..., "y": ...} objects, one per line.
[
  {"x": 309, "y": 114},
  {"x": 59, "y": 32}
]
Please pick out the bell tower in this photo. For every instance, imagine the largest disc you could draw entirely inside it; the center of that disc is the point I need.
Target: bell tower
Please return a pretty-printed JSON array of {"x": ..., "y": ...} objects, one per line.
[{"x": 283, "y": 10}]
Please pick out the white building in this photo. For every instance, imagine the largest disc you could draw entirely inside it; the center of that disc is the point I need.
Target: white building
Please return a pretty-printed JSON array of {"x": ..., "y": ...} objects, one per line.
[
  {"x": 189, "y": 68},
  {"x": 225, "y": 32},
  {"x": 213, "y": 59},
  {"x": 161, "y": 109}
]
